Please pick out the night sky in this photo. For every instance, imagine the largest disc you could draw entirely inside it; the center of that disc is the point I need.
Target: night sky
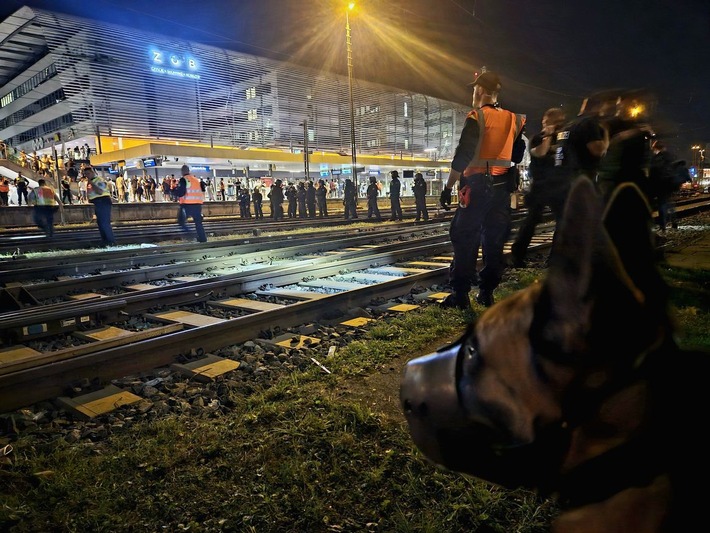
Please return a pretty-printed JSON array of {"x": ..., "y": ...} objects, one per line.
[{"x": 548, "y": 52}]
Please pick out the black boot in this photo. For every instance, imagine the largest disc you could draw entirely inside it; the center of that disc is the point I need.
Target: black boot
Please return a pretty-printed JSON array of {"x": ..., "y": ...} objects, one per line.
[
  {"x": 456, "y": 300},
  {"x": 485, "y": 297}
]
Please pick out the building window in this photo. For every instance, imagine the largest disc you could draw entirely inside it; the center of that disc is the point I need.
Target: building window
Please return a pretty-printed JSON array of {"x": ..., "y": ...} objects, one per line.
[
  {"x": 406, "y": 109},
  {"x": 252, "y": 114},
  {"x": 35, "y": 81},
  {"x": 251, "y": 93}
]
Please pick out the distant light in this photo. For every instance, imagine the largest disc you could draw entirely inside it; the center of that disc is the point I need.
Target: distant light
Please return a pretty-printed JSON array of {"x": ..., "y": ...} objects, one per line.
[
  {"x": 351, "y": 6},
  {"x": 636, "y": 111}
]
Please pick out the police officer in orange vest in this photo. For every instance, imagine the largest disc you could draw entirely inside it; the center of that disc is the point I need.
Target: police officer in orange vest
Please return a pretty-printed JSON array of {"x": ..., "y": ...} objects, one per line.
[
  {"x": 191, "y": 197},
  {"x": 45, "y": 201},
  {"x": 491, "y": 143}
]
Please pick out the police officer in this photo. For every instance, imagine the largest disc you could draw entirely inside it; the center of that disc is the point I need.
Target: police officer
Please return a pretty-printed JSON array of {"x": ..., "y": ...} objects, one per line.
[
  {"x": 628, "y": 157},
  {"x": 99, "y": 195},
  {"x": 548, "y": 188},
  {"x": 373, "y": 191},
  {"x": 581, "y": 144},
  {"x": 350, "y": 199},
  {"x": 21, "y": 184},
  {"x": 419, "y": 190},
  {"x": 46, "y": 201},
  {"x": 321, "y": 199},
  {"x": 395, "y": 193},
  {"x": 491, "y": 141},
  {"x": 191, "y": 198}
]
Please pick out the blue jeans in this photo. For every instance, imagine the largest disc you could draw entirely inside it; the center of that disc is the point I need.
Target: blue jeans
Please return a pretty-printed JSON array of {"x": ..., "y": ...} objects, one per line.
[{"x": 102, "y": 209}]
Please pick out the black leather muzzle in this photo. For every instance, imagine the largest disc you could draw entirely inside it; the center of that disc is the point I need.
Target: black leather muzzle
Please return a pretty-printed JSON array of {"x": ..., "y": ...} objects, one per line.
[{"x": 452, "y": 436}]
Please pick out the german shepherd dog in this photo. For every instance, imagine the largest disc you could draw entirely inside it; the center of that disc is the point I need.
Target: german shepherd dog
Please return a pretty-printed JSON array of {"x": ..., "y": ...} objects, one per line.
[{"x": 575, "y": 387}]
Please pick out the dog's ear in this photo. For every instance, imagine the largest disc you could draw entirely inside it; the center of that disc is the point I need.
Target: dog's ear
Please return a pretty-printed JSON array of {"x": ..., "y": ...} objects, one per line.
[
  {"x": 563, "y": 315},
  {"x": 627, "y": 220},
  {"x": 646, "y": 317}
]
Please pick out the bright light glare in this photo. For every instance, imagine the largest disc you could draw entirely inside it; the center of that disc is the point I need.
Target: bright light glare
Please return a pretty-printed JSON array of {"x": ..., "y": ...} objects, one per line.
[{"x": 351, "y": 6}]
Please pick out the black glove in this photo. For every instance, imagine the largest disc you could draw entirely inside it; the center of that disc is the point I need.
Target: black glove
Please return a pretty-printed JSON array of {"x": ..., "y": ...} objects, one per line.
[{"x": 445, "y": 198}]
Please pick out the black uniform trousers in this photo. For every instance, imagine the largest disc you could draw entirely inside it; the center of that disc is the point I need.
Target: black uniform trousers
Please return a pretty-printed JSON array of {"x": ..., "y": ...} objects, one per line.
[
  {"x": 420, "y": 204},
  {"x": 373, "y": 210},
  {"x": 544, "y": 192},
  {"x": 484, "y": 223},
  {"x": 193, "y": 211},
  {"x": 395, "y": 208}
]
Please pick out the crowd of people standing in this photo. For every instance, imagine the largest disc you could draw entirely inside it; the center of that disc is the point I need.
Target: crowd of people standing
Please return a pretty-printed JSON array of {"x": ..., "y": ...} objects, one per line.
[{"x": 611, "y": 142}]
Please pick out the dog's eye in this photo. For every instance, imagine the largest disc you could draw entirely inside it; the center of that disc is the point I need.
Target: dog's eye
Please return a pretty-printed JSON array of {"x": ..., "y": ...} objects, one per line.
[{"x": 472, "y": 360}]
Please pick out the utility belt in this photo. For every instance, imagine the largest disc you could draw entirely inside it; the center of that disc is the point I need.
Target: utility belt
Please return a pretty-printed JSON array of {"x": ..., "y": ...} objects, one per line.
[{"x": 510, "y": 180}]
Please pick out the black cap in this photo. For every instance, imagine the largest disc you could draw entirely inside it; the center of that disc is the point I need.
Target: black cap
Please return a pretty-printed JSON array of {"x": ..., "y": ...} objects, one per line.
[
  {"x": 488, "y": 80},
  {"x": 394, "y": 174},
  {"x": 184, "y": 170}
]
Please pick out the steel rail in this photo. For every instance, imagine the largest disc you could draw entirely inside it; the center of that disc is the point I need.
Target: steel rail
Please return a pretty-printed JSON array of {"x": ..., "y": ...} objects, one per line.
[{"x": 30, "y": 385}]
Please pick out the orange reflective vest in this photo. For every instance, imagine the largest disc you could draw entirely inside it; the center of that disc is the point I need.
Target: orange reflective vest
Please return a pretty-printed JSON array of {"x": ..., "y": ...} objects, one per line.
[
  {"x": 45, "y": 195},
  {"x": 193, "y": 194},
  {"x": 4, "y": 186},
  {"x": 498, "y": 130}
]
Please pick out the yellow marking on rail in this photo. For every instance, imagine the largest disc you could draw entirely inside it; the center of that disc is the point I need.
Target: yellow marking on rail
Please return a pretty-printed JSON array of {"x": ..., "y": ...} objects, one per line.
[
  {"x": 402, "y": 308},
  {"x": 245, "y": 303},
  {"x": 99, "y": 402},
  {"x": 102, "y": 334},
  {"x": 300, "y": 342},
  {"x": 206, "y": 368},
  {"x": 16, "y": 353},
  {"x": 192, "y": 319},
  {"x": 357, "y": 322},
  {"x": 438, "y": 295},
  {"x": 140, "y": 287},
  {"x": 85, "y": 296}
]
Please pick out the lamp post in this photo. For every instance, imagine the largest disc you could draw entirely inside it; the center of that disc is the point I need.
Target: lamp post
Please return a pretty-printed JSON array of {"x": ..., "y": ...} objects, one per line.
[{"x": 348, "y": 43}]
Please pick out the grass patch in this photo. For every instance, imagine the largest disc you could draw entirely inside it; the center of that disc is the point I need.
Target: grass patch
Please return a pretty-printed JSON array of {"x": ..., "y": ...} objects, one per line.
[{"x": 316, "y": 452}]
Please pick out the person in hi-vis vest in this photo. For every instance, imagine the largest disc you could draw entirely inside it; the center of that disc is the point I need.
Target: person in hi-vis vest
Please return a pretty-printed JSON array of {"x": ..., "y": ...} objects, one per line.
[
  {"x": 45, "y": 201},
  {"x": 98, "y": 194},
  {"x": 191, "y": 198},
  {"x": 490, "y": 146}
]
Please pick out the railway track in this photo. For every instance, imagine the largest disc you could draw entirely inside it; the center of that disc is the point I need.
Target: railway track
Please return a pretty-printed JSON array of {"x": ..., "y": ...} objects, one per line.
[{"x": 133, "y": 312}]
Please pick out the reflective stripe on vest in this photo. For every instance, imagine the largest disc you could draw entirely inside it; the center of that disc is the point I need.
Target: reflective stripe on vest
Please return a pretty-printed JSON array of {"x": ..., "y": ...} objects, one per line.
[
  {"x": 193, "y": 194},
  {"x": 498, "y": 131},
  {"x": 44, "y": 195}
]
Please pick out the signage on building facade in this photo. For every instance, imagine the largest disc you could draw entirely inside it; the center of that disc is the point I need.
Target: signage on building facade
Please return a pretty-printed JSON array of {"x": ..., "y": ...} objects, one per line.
[{"x": 174, "y": 64}]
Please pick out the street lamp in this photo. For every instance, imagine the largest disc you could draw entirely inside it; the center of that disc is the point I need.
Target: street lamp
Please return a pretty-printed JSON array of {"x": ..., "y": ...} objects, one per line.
[{"x": 348, "y": 42}]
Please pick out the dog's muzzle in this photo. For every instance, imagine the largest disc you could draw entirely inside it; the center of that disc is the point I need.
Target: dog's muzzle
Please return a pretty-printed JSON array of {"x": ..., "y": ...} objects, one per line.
[{"x": 450, "y": 436}]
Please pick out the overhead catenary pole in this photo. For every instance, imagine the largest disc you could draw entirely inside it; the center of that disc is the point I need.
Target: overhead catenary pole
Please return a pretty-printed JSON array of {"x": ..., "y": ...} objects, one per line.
[
  {"x": 306, "y": 164},
  {"x": 348, "y": 42}
]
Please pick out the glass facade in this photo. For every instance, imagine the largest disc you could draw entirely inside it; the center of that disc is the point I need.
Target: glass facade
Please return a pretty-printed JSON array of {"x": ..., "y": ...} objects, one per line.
[{"x": 101, "y": 79}]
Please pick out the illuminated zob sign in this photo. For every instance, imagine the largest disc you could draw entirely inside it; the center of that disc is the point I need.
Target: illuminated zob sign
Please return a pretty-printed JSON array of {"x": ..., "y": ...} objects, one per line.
[{"x": 174, "y": 64}]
